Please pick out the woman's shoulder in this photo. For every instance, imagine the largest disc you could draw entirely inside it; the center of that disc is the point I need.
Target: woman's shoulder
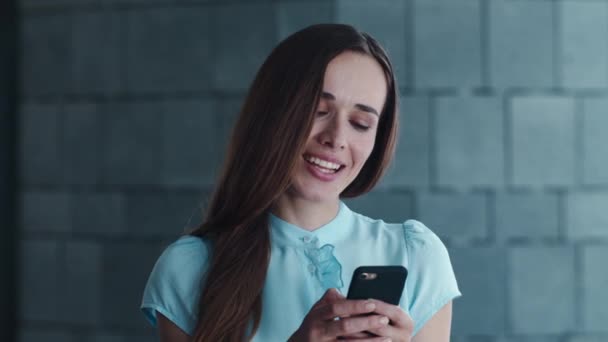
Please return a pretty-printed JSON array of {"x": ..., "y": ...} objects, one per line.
[
  {"x": 416, "y": 236},
  {"x": 419, "y": 235},
  {"x": 188, "y": 245},
  {"x": 413, "y": 231},
  {"x": 188, "y": 255}
]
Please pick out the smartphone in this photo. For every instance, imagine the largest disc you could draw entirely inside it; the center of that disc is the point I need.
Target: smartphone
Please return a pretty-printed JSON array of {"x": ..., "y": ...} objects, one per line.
[{"x": 384, "y": 283}]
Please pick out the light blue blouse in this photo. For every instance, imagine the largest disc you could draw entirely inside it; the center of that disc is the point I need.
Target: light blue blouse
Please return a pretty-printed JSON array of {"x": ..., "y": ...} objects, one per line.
[{"x": 304, "y": 264}]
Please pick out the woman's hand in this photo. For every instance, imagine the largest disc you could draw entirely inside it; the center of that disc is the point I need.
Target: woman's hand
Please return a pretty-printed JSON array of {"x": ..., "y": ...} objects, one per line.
[
  {"x": 320, "y": 323},
  {"x": 401, "y": 324}
]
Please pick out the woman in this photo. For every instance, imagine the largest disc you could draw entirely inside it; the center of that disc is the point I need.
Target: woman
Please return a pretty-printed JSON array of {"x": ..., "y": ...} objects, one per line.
[{"x": 275, "y": 254}]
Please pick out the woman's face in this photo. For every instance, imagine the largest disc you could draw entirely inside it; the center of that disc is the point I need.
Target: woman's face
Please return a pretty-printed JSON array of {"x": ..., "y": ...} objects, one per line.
[{"x": 344, "y": 128}]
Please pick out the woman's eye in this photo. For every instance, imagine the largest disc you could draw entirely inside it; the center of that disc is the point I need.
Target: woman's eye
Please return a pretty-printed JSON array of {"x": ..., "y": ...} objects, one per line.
[
  {"x": 360, "y": 127},
  {"x": 322, "y": 113}
]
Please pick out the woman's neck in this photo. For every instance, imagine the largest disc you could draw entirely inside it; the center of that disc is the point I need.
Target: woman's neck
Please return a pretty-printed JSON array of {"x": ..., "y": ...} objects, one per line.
[{"x": 306, "y": 214}]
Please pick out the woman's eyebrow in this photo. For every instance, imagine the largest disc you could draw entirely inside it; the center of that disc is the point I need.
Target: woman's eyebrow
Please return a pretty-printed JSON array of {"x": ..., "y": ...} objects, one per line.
[{"x": 365, "y": 108}]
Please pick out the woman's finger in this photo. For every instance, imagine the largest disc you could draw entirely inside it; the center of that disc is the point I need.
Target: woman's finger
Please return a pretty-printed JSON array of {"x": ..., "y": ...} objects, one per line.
[
  {"x": 345, "y": 308},
  {"x": 352, "y": 325},
  {"x": 368, "y": 339},
  {"x": 330, "y": 296},
  {"x": 397, "y": 316},
  {"x": 356, "y": 336},
  {"x": 387, "y": 331}
]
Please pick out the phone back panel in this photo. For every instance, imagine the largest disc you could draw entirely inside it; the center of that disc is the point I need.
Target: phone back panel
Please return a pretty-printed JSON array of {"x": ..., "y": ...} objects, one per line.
[{"x": 387, "y": 285}]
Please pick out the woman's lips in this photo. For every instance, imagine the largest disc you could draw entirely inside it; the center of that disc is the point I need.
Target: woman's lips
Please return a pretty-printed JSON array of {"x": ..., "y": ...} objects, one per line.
[
  {"x": 325, "y": 158},
  {"x": 322, "y": 173}
]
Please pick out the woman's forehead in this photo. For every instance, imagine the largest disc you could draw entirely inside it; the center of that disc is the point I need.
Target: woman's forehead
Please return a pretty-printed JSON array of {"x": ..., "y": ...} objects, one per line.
[{"x": 354, "y": 78}]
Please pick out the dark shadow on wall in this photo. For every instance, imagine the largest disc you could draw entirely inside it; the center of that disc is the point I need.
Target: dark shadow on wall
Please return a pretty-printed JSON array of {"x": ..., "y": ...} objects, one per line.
[{"x": 8, "y": 169}]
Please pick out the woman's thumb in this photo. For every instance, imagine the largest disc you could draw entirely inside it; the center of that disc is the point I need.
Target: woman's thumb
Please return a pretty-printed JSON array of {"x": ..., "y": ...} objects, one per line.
[
  {"x": 332, "y": 295},
  {"x": 328, "y": 297}
]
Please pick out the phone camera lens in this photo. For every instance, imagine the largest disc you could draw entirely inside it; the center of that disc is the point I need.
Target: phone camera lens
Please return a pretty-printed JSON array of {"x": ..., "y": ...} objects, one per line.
[{"x": 368, "y": 276}]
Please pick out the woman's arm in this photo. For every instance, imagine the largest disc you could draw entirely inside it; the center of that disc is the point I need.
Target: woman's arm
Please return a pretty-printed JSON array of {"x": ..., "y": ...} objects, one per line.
[
  {"x": 437, "y": 329},
  {"x": 168, "y": 331}
]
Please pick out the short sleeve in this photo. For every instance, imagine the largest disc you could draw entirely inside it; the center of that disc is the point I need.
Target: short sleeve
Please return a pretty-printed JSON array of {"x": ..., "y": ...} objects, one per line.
[
  {"x": 431, "y": 282},
  {"x": 173, "y": 287}
]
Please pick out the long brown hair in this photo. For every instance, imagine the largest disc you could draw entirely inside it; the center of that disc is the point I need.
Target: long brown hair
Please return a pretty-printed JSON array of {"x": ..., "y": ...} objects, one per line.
[{"x": 273, "y": 126}]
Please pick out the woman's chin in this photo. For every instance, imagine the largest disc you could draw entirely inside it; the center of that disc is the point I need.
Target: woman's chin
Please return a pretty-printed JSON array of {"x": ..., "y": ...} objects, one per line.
[{"x": 313, "y": 194}]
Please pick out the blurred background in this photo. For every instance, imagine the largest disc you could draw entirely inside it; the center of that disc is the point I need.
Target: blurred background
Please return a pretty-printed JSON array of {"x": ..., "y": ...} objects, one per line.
[{"x": 115, "y": 115}]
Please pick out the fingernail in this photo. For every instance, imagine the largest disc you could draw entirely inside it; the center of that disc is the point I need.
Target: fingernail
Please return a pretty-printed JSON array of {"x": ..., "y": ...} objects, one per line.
[
  {"x": 384, "y": 320},
  {"x": 370, "y": 306}
]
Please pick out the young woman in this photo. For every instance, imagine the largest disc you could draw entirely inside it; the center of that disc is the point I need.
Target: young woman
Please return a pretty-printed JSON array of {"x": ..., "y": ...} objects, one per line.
[{"x": 275, "y": 255}]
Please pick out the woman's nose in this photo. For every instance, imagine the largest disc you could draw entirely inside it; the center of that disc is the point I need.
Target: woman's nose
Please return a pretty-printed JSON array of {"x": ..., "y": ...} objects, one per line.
[{"x": 333, "y": 136}]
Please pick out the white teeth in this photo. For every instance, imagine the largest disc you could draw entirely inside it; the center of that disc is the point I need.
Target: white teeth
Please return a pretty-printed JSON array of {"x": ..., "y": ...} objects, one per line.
[
  {"x": 326, "y": 171},
  {"x": 323, "y": 163}
]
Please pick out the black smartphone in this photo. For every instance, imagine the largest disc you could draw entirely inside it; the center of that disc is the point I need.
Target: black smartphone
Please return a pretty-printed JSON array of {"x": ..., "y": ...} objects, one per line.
[{"x": 384, "y": 283}]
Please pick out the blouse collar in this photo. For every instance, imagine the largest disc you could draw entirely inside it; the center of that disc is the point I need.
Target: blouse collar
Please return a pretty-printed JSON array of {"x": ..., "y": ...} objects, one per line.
[{"x": 284, "y": 233}]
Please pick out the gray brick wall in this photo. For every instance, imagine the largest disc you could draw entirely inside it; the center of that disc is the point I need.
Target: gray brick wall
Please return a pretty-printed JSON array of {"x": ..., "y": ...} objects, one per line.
[
  {"x": 126, "y": 107},
  {"x": 9, "y": 23}
]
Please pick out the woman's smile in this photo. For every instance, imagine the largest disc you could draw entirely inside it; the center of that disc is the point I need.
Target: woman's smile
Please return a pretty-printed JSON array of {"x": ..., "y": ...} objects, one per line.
[{"x": 323, "y": 168}]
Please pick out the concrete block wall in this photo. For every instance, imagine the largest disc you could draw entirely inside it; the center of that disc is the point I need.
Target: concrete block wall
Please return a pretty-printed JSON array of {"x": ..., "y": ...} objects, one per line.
[
  {"x": 8, "y": 169},
  {"x": 127, "y": 105}
]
